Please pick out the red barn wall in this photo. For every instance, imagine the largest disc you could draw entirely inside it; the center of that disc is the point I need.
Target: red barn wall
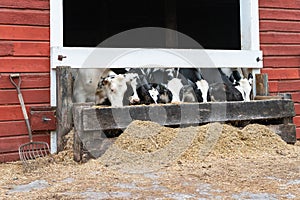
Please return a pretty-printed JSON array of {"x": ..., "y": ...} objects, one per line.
[
  {"x": 24, "y": 49},
  {"x": 280, "y": 42}
]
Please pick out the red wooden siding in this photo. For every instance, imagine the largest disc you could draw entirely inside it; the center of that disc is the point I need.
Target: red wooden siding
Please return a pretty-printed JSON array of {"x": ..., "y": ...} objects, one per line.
[
  {"x": 10, "y": 144},
  {"x": 280, "y": 42},
  {"x": 294, "y": 4},
  {"x": 24, "y": 33},
  {"x": 24, "y": 49},
  {"x": 28, "y": 4},
  {"x": 24, "y": 17}
]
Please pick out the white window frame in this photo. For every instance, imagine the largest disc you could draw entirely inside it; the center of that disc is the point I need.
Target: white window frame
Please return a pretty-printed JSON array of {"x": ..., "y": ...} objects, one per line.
[{"x": 75, "y": 57}]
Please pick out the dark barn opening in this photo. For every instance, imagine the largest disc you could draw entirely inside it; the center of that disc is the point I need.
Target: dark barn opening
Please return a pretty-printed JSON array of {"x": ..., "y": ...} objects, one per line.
[{"x": 214, "y": 24}]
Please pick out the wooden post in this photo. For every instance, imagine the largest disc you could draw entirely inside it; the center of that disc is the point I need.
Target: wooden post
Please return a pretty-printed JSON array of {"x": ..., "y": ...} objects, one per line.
[
  {"x": 262, "y": 88},
  {"x": 77, "y": 143},
  {"x": 87, "y": 144},
  {"x": 64, "y": 119}
]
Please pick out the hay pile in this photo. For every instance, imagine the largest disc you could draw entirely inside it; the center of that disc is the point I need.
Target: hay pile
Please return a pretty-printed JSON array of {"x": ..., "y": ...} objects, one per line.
[
  {"x": 66, "y": 156},
  {"x": 228, "y": 141},
  {"x": 148, "y": 142}
]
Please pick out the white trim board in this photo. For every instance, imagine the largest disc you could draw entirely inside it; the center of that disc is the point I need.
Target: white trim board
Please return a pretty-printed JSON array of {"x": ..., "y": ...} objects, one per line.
[{"x": 135, "y": 58}]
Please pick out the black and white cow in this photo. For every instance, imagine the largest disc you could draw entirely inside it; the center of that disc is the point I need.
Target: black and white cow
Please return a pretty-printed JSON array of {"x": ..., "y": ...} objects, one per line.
[
  {"x": 117, "y": 87},
  {"x": 241, "y": 83},
  {"x": 195, "y": 87},
  {"x": 151, "y": 87},
  {"x": 176, "y": 80},
  {"x": 120, "y": 87},
  {"x": 232, "y": 88},
  {"x": 154, "y": 93}
]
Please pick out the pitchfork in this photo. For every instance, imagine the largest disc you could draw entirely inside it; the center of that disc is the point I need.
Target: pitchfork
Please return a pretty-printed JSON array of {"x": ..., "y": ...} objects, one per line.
[{"x": 31, "y": 150}]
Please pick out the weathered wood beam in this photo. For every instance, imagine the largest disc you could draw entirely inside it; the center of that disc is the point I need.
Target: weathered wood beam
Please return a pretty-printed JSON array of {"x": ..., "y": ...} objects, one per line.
[
  {"x": 285, "y": 131},
  {"x": 95, "y": 141},
  {"x": 90, "y": 121},
  {"x": 262, "y": 87},
  {"x": 105, "y": 118},
  {"x": 64, "y": 119}
]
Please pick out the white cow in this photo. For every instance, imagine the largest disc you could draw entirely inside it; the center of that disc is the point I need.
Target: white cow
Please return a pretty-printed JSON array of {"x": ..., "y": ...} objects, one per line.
[{"x": 86, "y": 83}]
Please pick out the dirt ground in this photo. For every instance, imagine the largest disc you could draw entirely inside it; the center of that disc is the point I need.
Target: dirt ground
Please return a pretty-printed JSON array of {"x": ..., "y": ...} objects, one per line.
[{"x": 149, "y": 161}]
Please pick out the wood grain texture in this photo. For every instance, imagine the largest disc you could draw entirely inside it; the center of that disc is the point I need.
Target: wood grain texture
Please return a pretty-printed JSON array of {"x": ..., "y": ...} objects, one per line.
[
  {"x": 262, "y": 87},
  {"x": 64, "y": 105},
  {"x": 29, "y": 95},
  {"x": 43, "y": 119},
  {"x": 297, "y": 109},
  {"x": 279, "y": 14},
  {"x": 285, "y": 74},
  {"x": 28, "y": 4},
  {"x": 29, "y": 80},
  {"x": 31, "y": 49},
  {"x": 24, "y": 17},
  {"x": 10, "y": 144},
  {"x": 14, "y": 112},
  {"x": 94, "y": 119},
  {"x": 293, "y": 4},
  {"x": 284, "y": 86},
  {"x": 279, "y": 38},
  {"x": 6, "y": 49},
  {"x": 282, "y": 61},
  {"x": 24, "y": 64},
  {"x": 31, "y": 33},
  {"x": 297, "y": 120},
  {"x": 280, "y": 50},
  {"x": 296, "y": 97},
  {"x": 282, "y": 26},
  {"x": 9, "y": 157},
  {"x": 13, "y": 128}
]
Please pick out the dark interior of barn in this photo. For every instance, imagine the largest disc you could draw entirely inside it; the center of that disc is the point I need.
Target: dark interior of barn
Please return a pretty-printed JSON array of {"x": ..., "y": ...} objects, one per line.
[{"x": 214, "y": 24}]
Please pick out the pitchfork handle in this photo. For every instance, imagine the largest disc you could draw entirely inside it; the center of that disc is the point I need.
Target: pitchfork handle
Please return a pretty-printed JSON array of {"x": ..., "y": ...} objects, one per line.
[{"x": 18, "y": 87}]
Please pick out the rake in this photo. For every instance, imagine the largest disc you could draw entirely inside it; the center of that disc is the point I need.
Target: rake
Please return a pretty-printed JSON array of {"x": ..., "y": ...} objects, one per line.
[{"x": 31, "y": 150}]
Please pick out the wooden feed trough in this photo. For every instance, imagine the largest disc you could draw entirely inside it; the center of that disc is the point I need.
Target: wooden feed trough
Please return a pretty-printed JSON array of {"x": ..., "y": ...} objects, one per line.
[{"x": 90, "y": 121}]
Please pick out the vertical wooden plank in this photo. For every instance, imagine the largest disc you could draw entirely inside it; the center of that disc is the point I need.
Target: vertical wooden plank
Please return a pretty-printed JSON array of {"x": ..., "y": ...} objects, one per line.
[
  {"x": 78, "y": 150},
  {"x": 64, "y": 104},
  {"x": 77, "y": 144},
  {"x": 262, "y": 87}
]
